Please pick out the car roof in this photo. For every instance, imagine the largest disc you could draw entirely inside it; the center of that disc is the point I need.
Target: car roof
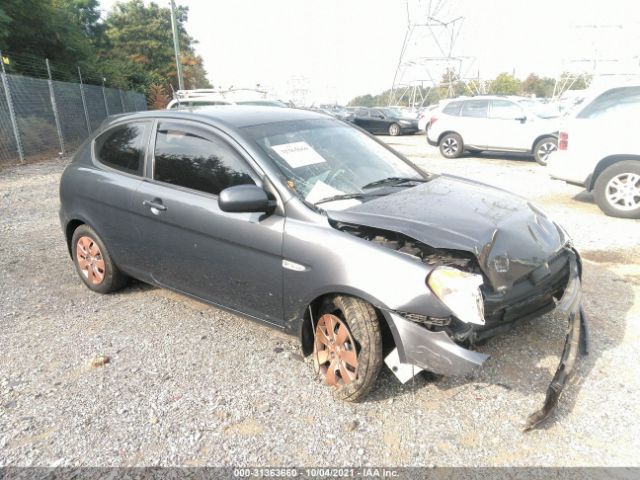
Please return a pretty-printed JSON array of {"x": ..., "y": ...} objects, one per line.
[{"x": 234, "y": 116}]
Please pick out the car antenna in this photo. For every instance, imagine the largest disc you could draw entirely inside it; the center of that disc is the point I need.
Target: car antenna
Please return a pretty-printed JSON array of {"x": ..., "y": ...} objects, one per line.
[{"x": 175, "y": 96}]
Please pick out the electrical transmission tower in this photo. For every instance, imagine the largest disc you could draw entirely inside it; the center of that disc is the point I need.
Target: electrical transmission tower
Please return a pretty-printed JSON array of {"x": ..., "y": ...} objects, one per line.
[
  {"x": 598, "y": 51},
  {"x": 427, "y": 58}
]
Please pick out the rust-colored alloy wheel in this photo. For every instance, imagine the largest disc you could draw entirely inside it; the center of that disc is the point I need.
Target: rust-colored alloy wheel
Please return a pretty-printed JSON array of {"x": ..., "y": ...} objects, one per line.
[
  {"x": 334, "y": 351},
  {"x": 90, "y": 260}
]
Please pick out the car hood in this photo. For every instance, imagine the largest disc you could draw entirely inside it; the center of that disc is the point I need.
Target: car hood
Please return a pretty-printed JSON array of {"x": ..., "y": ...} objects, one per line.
[{"x": 509, "y": 236}]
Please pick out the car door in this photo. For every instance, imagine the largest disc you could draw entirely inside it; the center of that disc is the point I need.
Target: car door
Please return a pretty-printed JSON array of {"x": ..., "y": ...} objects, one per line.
[
  {"x": 510, "y": 127},
  {"x": 472, "y": 123},
  {"x": 106, "y": 202},
  {"x": 362, "y": 119},
  {"x": 379, "y": 122},
  {"x": 231, "y": 259}
]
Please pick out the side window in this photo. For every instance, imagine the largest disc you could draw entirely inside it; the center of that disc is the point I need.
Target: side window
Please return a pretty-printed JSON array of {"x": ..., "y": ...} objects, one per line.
[
  {"x": 475, "y": 108},
  {"x": 192, "y": 160},
  {"x": 505, "y": 110},
  {"x": 122, "y": 147},
  {"x": 623, "y": 99},
  {"x": 453, "y": 108},
  {"x": 376, "y": 114}
]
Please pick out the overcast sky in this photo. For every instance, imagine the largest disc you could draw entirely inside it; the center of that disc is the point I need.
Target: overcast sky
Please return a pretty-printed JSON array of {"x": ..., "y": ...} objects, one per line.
[{"x": 341, "y": 48}]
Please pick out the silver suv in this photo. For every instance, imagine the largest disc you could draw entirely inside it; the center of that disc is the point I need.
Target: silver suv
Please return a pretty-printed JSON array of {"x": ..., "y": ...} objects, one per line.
[{"x": 502, "y": 124}]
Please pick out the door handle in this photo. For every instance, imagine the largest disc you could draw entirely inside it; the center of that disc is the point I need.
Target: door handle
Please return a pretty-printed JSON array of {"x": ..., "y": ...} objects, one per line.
[{"x": 155, "y": 204}]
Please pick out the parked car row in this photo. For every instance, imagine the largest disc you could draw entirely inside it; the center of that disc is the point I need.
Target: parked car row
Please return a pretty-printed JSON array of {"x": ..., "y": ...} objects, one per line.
[{"x": 597, "y": 146}]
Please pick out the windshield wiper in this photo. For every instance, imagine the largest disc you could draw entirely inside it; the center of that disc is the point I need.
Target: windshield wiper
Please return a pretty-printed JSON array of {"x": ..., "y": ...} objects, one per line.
[
  {"x": 346, "y": 196},
  {"x": 394, "y": 181}
]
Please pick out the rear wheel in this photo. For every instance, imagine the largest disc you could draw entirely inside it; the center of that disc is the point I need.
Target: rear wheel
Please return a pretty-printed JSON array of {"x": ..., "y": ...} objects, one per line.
[
  {"x": 617, "y": 190},
  {"x": 93, "y": 262},
  {"x": 543, "y": 148},
  {"x": 394, "y": 129},
  {"x": 451, "y": 145},
  {"x": 347, "y": 350}
]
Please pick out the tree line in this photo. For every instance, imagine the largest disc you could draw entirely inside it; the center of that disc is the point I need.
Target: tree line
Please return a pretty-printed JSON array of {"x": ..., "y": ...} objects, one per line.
[
  {"x": 452, "y": 86},
  {"x": 131, "y": 47}
]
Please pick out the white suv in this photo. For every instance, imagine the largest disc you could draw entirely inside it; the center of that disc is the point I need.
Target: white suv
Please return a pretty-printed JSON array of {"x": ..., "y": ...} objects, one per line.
[
  {"x": 492, "y": 123},
  {"x": 599, "y": 149}
]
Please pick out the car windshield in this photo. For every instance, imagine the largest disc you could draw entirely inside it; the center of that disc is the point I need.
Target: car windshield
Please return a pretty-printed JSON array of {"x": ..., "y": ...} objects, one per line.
[{"x": 322, "y": 158}]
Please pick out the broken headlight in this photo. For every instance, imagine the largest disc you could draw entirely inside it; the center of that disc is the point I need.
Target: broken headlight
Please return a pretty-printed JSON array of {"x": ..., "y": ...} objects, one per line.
[{"x": 460, "y": 291}]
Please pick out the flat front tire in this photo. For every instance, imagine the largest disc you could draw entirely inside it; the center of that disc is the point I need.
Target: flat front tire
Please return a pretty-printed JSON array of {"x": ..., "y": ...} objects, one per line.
[
  {"x": 347, "y": 351},
  {"x": 93, "y": 262},
  {"x": 451, "y": 145},
  {"x": 617, "y": 190}
]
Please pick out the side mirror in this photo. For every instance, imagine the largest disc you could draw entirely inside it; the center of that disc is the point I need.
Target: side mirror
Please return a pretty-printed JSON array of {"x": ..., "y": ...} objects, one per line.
[
  {"x": 521, "y": 119},
  {"x": 244, "y": 198}
]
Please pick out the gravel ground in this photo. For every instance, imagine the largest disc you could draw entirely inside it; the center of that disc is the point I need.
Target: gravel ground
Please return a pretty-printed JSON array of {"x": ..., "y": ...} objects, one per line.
[{"x": 188, "y": 384}]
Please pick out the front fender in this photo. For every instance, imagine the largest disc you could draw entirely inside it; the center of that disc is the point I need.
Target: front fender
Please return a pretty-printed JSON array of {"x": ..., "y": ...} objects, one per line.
[{"x": 337, "y": 262}]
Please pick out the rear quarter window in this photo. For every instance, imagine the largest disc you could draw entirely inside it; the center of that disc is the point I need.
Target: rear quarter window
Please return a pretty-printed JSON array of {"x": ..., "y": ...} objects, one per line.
[
  {"x": 453, "y": 108},
  {"x": 122, "y": 147}
]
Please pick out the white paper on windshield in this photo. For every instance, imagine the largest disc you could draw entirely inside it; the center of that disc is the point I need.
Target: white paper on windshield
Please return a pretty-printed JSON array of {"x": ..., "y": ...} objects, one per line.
[
  {"x": 321, "y": 191},
  {"x": 298, "y": 154}
]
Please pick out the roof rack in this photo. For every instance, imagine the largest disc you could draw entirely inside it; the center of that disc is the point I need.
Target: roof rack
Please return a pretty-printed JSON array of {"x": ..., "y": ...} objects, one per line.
[{"x": 207, "y": 92}]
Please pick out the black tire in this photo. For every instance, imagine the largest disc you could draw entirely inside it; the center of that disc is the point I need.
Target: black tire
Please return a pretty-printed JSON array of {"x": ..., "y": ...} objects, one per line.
[
  {"x": 363, "y": 324},
  {"x": 543, "y": 148},
  {"x": 112, "y": 278},
  {"x": 394, "y": 130},
  {"x": 451, "y": 145},
  {"x": 603, "y": 187}
]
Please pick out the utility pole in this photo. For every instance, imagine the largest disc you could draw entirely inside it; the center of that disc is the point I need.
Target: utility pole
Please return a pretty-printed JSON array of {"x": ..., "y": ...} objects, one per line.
[{"x": 176, "y": 45}]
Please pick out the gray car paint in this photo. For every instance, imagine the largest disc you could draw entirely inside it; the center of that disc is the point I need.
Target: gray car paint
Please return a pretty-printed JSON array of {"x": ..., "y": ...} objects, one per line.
[{"x": 200, "y": 241}]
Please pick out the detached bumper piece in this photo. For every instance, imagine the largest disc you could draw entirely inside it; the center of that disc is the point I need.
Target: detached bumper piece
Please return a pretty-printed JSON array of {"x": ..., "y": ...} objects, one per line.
[{"x": 576, "y": 343}]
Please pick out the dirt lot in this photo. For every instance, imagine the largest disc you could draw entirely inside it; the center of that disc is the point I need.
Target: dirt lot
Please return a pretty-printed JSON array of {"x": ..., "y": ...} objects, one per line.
[{"x": 188, "y": 384}]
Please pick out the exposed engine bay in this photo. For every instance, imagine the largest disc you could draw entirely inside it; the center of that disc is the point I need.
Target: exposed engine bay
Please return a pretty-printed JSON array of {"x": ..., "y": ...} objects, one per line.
[
  {"x": 403, "y": 244},
  {"x": 530, "y": 296}
]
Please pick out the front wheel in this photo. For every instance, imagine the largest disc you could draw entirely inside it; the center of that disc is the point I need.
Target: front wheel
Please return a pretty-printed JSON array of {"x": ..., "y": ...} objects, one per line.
[
  {"x": 617, "y": 190},
  {"x": 451, "y": 145},
  {"x": 347, "y": 350},
  {"x": 394, "y": 129},
  {"x": 543, "y": 148}
]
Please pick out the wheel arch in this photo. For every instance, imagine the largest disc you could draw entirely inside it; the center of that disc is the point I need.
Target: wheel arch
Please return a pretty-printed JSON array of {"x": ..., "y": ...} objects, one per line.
[
  {"x": 69, "y": 228},
  {"x": 447, "y": 132},
  {"x": 540, "y": 137},
  {"x": 605, "y": 163},
  {"x": 313, "y": 308}
]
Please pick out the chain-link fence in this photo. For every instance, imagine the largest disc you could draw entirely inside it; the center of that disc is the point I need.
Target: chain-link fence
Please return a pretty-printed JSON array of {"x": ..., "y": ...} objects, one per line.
[{"x": 43, "y": 116}]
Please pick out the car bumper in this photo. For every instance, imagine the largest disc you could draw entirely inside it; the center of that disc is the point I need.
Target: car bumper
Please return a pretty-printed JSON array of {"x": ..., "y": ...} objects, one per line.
[
  {"x": 407, "y": 130},
  {"x": 562, "y": 166},
  {"x": 433, "y": 143},
  {"x": 438, "y": 353}
]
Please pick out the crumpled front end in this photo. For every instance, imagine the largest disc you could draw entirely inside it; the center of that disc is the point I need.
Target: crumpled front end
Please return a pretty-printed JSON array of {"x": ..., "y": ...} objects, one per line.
[{"x": 435, "y": 349}]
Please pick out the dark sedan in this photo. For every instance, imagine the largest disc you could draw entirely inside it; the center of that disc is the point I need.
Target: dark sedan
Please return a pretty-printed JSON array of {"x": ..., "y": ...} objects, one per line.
[
  {"x": 384, "y": 121},
  {"x": 300, "y": 221}
]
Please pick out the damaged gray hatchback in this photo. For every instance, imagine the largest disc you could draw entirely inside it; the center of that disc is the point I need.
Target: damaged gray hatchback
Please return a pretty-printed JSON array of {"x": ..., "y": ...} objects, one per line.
[{"x": 315, "y": 227}]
